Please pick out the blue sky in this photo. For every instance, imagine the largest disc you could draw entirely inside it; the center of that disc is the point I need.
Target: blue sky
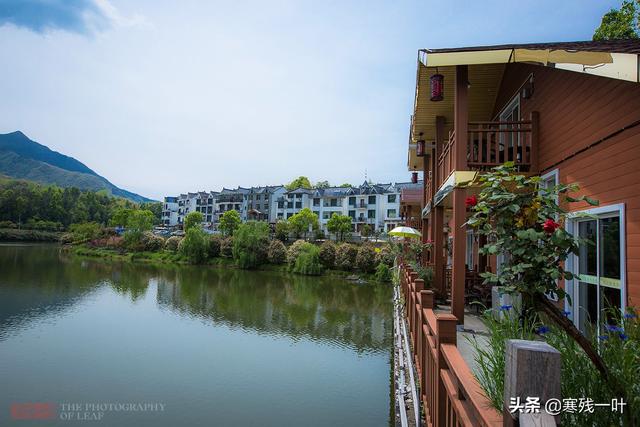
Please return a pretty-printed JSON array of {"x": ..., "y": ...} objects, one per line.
[{"x": 164, "y": 97}]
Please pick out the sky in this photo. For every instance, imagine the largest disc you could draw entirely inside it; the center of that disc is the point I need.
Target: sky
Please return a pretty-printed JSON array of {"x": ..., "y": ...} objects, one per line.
[{"x": 165, "y": 97}]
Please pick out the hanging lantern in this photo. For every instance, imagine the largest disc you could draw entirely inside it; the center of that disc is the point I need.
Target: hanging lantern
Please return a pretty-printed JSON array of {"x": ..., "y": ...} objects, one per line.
[
  {"x": 420, "y": 147},
  {"x": 437, "y": 87},
  {"x": 414, "y": 177}
]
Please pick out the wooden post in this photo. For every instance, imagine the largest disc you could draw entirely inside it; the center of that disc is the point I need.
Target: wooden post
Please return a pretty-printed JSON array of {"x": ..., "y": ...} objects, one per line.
[
  {"x": 461, "y": 118},
  {"x": 417, "y": 317},
  {"x": 458, "y": 269},
  {"x": 437, "y": 217},
  {"x": 426, "y": 303},
  {"x": 532, "y": 369},
  {"x": 535, "y": 137}
]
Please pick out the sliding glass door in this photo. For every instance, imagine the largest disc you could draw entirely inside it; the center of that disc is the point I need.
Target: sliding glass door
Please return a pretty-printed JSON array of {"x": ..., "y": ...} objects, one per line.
[{"x": 599, "y": 266}]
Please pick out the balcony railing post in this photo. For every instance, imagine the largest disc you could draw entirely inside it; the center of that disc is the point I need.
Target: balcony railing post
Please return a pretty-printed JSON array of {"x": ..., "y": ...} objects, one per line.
[
  {"x": 426, "y": 303},
  {"x": 417, "y": 324}
]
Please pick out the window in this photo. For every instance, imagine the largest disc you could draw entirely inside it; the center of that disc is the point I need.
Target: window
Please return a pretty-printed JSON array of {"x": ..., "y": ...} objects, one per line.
[
  {"x": 280, "y": 205},
  {"x": 289, "y": 215},
  {"x": 391, "y": 213},
  {"x": 333, "y": 202},
  {"x": 391, "y": 198},
  {"x": 298, "y": 196},
  {"x": 600, "y": 266},
  {"x": 289, "y": 205},
  {"x": 298, "y": 205},
  {"x": 208, "y": 218},
  {"x": 352, "y": 214},
  {"x": 372, "y": 200},
  {"x": 325, "y": 215},
  {"x": 371, "y": 213},
  {"x": 469, "y": 249},
  {"x": 352, "y": 201},
  {"x": 316, "y": 201}
]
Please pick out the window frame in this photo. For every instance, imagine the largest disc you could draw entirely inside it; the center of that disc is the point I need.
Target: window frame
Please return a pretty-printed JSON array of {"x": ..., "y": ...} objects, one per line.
[{"x": 572, "y": 263}]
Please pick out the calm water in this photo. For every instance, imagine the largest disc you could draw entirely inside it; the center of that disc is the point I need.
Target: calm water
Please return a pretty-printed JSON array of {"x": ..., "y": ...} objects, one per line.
[{"x": 215, "y": 347}]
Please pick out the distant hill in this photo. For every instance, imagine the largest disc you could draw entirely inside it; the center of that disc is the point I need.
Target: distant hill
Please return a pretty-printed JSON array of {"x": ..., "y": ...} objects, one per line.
[{"x": 23, "y": 158}]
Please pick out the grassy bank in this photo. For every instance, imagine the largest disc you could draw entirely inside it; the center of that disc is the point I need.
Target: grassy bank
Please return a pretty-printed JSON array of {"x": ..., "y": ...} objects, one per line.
[
  {"x": 21, "y": 235},
  {"x": 171, "y": 258}
]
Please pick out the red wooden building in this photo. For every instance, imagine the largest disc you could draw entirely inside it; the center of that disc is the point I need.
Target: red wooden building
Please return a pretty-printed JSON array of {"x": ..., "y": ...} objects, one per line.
[{"x": 569, "y": 112}]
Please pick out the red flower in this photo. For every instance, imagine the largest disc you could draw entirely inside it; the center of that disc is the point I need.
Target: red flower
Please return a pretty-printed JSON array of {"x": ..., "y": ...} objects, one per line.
[
  {"x": 550, "y": 225},
  {"x": 471, "y": 201}
]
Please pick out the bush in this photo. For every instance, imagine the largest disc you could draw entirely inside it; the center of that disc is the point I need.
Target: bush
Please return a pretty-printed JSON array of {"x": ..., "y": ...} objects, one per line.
[
  {"x": 172, "y": 243},
  {"x": 282, "y": 230},
  {"x": 424, "y": 272},
  {"x": 226, "y": 247},
  {"x": 384, "y": 255},
  {"x": 250, "y": 243},
  {"x": 308, "y": 260},
  {"x": 318, "y": 235},
  {"x": 151, "y": 242},
  {"x": 328, "y": 254},
  {"x": 194, "y": 246},
  {"x": 383, "y": 273},
  {"x": 133, "y": 240},
  {"x": 215, "y": 242},
  {"x": 114, "y": 242},
  {"x": 346, "y": 254},
  {"x": 277, "y": 252},
  {"x": 366, "y": 259},
  {"x": 7, "y": 224},
  {"x": 85, "y": 231},
  {"x": 294, "y": 250},
  {"x": 34, "y": 224}
]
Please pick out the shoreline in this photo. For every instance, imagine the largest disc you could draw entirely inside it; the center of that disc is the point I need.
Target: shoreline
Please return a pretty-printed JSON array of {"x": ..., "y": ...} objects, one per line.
[{"x": 166, "y": 258}]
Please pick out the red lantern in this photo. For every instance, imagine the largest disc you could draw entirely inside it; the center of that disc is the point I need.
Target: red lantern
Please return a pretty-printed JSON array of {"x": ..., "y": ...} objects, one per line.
[
  {"x": 414, "y": 177},
  {"x": 420, "y": 147},
  {"x": 437, "y": 87}
]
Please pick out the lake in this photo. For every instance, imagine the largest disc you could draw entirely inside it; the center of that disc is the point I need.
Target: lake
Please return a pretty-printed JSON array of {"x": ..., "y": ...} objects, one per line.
[{"x": 122, "y": 344}]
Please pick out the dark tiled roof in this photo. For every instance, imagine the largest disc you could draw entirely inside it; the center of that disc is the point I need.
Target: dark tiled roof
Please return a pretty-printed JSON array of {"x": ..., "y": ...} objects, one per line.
[{"x": 613, "y": 46}]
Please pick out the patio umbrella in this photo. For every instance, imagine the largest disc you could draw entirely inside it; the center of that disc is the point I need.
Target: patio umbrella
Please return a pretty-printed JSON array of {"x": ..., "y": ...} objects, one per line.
[{"x": 405, "y": 232}]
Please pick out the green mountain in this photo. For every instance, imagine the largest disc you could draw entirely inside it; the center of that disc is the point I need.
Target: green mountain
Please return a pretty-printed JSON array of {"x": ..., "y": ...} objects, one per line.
[{"x": 23, "y": 158}]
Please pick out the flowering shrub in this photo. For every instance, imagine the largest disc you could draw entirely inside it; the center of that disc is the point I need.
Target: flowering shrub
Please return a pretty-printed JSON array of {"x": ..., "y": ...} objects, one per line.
[
  {"x": 523, "y": 222},
  {"x": 277, "y": 252},
  {"x": 328, "y": 254}
]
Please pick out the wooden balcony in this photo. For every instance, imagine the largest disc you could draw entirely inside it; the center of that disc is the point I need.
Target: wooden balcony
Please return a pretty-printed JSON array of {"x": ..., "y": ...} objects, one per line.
[{"x": 491, "y": 144}]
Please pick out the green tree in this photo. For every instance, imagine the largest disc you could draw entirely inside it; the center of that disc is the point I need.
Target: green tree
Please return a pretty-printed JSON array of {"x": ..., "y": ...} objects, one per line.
[
  {"x": 304, "y": 220},
  {"x": 345, "y": 185},
  {"x": 194, "y": 246},
  {"x": 339, "y": 225},
  {"x": 193, "y": 219},
  {"x": 229, "y": 222},
  {"x": 322, "y": 184},
  {"x": 140, "y": 220},
  {"x": 120, "y": 217},
  {"x": 156, "y": 208},
  {"x": 619, "y": 23},
  {"x": 299, "y": 182},
  {"x": 250, "y": 244}
]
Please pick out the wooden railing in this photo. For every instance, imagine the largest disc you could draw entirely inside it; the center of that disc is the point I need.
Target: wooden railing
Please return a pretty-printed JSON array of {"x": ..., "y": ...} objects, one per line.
[
  {"x": 450, "y": 394},
  {"x": 490, "y": 144},
  {"x": 446, "y": 163}
]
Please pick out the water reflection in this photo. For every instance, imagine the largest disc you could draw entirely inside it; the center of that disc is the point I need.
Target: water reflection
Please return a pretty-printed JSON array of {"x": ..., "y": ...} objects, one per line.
[{"x": 40, "y": 281}]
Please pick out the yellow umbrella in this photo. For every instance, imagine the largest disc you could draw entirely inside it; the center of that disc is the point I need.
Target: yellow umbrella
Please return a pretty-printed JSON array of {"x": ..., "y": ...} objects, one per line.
[{"x": 405, "y": 232}]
